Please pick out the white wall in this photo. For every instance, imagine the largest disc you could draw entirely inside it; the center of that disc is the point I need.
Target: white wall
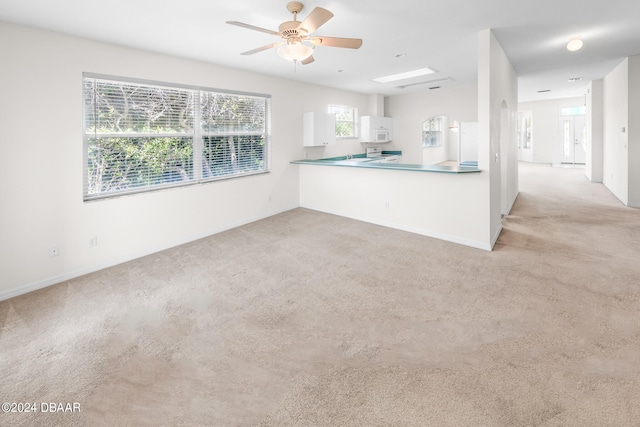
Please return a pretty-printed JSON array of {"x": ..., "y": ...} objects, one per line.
[
  {"x": 410, "y": 110},
  {"x": 460, "y": 208},
  {"x": 616, "y": 116},
  {"x": 41, "y": 176},
  {"x": 545, "y": 131},
  {"x": 595, "y": 136},
  {"x": 342, "y": 146},
  {"x": 634, "y": 131},
  {"x": 441, "y": 205},
  {"x": 497, "y": 115}
]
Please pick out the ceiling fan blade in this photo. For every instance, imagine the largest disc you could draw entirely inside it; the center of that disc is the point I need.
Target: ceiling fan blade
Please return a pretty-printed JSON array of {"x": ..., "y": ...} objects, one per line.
[
  {"x": 260, "y": 49},
  {"x": 308, "y": 60},
  {"x": 253, "y": 27},
  {"x": 315, "y": 19},
  {"x": 336, "y": 42}
]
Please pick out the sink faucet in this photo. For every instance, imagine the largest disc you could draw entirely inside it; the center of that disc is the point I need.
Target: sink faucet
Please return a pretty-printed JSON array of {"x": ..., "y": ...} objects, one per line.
[{"x": 349, "y": 156}]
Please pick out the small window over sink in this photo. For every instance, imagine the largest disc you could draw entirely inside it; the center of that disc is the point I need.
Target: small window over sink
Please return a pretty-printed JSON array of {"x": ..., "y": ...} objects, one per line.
[{"x": 346, "y": 121}]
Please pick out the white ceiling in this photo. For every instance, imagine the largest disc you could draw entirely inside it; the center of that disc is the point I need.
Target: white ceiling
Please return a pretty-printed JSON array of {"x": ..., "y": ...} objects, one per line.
[{"x": 440, "y": 34}]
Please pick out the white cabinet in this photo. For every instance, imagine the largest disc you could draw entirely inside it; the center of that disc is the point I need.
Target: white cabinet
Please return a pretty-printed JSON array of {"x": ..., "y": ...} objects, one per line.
[
  {"x": 319, "y": 129},
  {"x": 376, "y": 129}
]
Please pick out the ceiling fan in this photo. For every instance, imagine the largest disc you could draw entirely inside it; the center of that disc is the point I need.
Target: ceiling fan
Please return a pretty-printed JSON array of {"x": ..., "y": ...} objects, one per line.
[{"x": 298, "y": 45}]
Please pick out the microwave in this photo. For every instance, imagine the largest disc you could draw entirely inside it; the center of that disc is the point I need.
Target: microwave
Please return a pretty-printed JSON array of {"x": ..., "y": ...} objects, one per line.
[{"x": 381, "y": 135}]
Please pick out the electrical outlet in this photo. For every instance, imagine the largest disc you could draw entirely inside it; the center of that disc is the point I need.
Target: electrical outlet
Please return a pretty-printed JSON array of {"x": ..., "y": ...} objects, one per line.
[
  {"x": 54, "y": 250},
  {"x": 93, "y": 242}
]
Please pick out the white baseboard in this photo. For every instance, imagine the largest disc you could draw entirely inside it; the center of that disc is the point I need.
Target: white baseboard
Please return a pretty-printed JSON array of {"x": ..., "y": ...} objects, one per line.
[
  {"x": 427, "y": 233},
  {"x": 446, "y": 237},
  {"x": 511, "y": 205},
  {"x": 494, "y": 238},
  {"x": 422, "y": 232},
  {"x": 40, "y": 284}
]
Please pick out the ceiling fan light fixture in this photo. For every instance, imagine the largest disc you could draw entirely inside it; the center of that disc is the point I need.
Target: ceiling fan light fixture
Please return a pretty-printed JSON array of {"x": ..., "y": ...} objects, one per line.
[
  {"x": 295, "y": 50},
  {"x": 574, "y": 44},
  {"x": 298, "y": 47}
]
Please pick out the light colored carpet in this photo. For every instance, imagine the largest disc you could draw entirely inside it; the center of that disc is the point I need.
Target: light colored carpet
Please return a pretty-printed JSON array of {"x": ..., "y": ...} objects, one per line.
[{"x": 310, "y": 319}]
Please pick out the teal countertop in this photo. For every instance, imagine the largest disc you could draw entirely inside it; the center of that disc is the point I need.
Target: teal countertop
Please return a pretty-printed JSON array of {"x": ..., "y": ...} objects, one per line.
[{"x": 361, "y": 161}]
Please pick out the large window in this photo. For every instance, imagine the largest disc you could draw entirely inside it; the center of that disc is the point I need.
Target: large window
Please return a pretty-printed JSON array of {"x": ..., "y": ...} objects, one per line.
[
  {"x": 346, "y": 121},
  {"x": 141, "y": 136}
]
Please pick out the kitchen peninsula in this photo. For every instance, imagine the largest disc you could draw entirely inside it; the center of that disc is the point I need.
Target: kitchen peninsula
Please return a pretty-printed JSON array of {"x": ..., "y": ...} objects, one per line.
[
  {"x": 443, "y": 202},
  {"x": 359, "y": 160}
]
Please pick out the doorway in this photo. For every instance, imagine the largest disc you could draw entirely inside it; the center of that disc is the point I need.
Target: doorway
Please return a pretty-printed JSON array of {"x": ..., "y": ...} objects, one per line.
[{"x": 573, "y": 136}]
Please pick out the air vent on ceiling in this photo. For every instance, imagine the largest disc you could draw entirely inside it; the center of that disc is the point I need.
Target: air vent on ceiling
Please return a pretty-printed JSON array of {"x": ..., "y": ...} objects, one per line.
[{"x": 444, "y": 79}]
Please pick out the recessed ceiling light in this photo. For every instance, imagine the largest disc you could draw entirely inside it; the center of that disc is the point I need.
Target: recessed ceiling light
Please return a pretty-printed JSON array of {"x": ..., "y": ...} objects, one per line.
[
  {"x": 575, "y": 79},
  {"x": 403, "y": 76},
  {"x": 574, "y": 44},
  {"x": 544, "y": 90},
  {"x": 341, "y": 71},
  {"x": 401, "y": 55}
]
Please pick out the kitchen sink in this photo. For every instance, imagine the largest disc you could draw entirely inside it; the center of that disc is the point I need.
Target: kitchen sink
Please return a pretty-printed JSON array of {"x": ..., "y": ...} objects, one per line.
[
  {"x": 385, "y": 158},
  {"x": 360, "y": 159}
]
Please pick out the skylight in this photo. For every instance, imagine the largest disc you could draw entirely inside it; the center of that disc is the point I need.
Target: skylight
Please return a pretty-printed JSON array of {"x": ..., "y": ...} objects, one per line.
[{"x": 404, "y": 76}]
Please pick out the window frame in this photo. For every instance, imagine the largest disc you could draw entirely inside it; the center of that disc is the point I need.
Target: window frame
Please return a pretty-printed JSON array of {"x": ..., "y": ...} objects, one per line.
[
  {"x": 197, "y": 135},
  {"x": 354, "y": 122},
  {"x": 432, "y": 129},
  {"x": 525, "y": 130}
]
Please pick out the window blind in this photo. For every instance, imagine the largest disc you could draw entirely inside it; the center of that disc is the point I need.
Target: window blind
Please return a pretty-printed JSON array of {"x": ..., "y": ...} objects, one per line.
[
  {"x": 234, "y": 134},
  {"x": 142, "y": 137}
]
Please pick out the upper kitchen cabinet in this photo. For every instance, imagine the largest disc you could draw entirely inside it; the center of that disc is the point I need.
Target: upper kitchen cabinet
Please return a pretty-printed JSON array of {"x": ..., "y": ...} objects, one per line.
[
  {"x": 319, "y": 129},
  {"x": 376, "y": 129}
]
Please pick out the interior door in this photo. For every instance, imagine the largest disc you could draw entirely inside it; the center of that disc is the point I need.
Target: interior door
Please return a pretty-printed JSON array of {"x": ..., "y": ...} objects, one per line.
[{"x": 573, "y": 139}]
